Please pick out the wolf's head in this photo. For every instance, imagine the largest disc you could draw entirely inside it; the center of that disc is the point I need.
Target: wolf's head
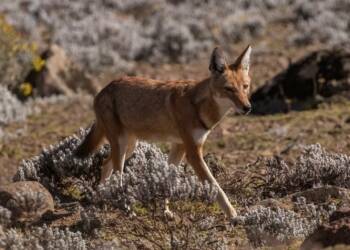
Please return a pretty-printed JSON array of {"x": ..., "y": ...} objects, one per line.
[{"x": 231, "y": 82}]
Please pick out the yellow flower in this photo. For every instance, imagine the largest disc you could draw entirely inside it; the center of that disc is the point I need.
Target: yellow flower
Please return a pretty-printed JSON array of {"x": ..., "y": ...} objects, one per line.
[
  {"x": 38, "y": 63},
  {"x": 26, "y": 89},
  {"x": 34, "y": 47}
]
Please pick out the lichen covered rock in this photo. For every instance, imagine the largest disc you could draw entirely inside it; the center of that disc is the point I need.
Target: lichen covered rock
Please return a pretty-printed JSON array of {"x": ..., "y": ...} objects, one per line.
[{"x": 27, "y": 200}]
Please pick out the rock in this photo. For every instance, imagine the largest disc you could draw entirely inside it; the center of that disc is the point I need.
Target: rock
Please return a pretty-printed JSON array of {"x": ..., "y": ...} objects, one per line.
[
  {"x": 305, "y": 83},
  {"x": 273, "y": 203},
  {"x": 27, "y": 200},
  {"x": 335, "y": 232},
  {"x": 59, "y": 75},
  {"x": 322, "y": 194}
]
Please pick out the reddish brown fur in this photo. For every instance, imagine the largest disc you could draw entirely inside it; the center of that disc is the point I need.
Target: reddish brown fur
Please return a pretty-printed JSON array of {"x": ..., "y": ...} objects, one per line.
[{"x": 180, "y": 112}]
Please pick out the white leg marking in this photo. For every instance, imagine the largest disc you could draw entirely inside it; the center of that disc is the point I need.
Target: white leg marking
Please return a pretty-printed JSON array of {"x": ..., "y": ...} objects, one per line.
[
  {"x": 221, "y": 198},
  {"x": 200, "y": 135},
  {"x": 123, "y": 146}
]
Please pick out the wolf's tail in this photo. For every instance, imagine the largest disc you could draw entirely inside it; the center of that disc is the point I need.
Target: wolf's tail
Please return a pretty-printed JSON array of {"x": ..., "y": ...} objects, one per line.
[{"x": 91, "y": 141}]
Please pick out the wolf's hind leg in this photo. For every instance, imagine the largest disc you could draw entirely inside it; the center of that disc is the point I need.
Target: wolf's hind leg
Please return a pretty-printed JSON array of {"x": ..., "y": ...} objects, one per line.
[
  {"x": 176, "y": 155},
  {"x": 118, "y": 140},
  {"x": 131, "y": 146}
]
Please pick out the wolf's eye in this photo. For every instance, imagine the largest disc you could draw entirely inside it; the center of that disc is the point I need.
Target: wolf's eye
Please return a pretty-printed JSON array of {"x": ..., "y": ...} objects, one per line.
[
  {"x": 245, "y": 86},
  {"x": 229, "y": 89}
]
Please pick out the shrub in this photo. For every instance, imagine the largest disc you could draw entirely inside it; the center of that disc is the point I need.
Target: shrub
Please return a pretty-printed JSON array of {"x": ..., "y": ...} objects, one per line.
[
  {"x": 11, "y": 109},
  {"x": 314, "y": 167},
  {"x": 265, "y": 224},
  {"x": 147, "y": 176},
  {"x": 116, "y": 33},
  {"x": 58, "y": 162},
  {"x": 89, "y": 221},
  {"x": 42, "y": 238},
  {"x": 262, "y": 223},
  {"x": 321, "y": 21},
  {"x": 5, "y": 217},
  {"x": 17, "y": 57},
  {"x": 113, "y": 34}
]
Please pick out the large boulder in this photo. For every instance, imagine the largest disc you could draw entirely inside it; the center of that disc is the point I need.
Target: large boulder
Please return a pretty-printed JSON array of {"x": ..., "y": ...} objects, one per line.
[
  {"x": 304, "y": 83},
  {"x": 59, "y": 75},
  {"x": 27, "y": 200},
  {"x": 336, "y": 232}
]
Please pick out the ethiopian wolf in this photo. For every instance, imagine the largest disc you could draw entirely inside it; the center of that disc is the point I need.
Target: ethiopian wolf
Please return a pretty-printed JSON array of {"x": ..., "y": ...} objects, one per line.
[{"x": 182, "y": 113}]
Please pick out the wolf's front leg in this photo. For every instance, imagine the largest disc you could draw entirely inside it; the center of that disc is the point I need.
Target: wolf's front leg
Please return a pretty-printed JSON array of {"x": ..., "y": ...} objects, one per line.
[{"x": 195, "y": 158}]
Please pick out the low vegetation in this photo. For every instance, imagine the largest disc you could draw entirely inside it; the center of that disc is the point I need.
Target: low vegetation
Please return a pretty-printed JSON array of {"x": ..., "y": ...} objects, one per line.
[
  {"x": 161, "y": 31},
  {"x": 148, "y": 180},
  {"x": 42, "y": 238},
  {"x": 269, "y": 165}
]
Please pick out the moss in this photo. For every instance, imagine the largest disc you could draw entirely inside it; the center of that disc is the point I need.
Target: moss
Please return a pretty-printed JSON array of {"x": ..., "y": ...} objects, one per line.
[
  {"x": 140, "y": 210},
  {"x": 73, "y": 192}
]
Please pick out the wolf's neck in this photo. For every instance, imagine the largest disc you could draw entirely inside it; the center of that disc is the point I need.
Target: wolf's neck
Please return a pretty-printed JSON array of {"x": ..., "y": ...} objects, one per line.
[
  {"x": 224, "y": 105},
  {"x": 202, "y": 90},
  {"x": 210, "y": 107}
]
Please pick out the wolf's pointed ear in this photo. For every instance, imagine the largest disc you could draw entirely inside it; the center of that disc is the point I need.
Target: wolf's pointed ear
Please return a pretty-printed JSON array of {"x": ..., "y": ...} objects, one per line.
[
  {"x": 217, "y": 61},
  {"x": 243, "y": 61}
]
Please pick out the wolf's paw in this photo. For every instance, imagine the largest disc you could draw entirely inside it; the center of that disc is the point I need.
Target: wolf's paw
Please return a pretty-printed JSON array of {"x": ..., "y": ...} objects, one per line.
[
  {"x": 132, "y": 214},
  {"x": 168, "y": 214},
  {"x": 238, "y": 220}
]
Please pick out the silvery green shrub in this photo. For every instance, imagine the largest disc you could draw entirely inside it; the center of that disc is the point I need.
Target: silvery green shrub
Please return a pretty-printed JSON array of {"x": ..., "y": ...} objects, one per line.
[
  {"x": 114, "y": 33},
  {"x": 147, "y": 177},
  {"x": 117, "y": 33},
  {"x": 40, "y": 238},
  {"x": 57, "y": 162},
  {"x": 89, "y": 221},
  {"x": 11, "y": 109},
  {"x": 5, "y": 216},
  {"x": 314, "y": 167},
  {"x": 325, "y": 21},
  {"x": 264, "y": 223}
]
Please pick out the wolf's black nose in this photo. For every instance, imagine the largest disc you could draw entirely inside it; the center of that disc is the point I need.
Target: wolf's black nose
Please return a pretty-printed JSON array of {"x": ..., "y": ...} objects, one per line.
[{"x": 247, "y": 109}]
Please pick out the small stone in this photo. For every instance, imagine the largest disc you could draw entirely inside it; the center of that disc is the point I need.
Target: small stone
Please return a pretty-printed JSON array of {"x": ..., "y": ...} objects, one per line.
[{"x": 27, "y": 200}]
